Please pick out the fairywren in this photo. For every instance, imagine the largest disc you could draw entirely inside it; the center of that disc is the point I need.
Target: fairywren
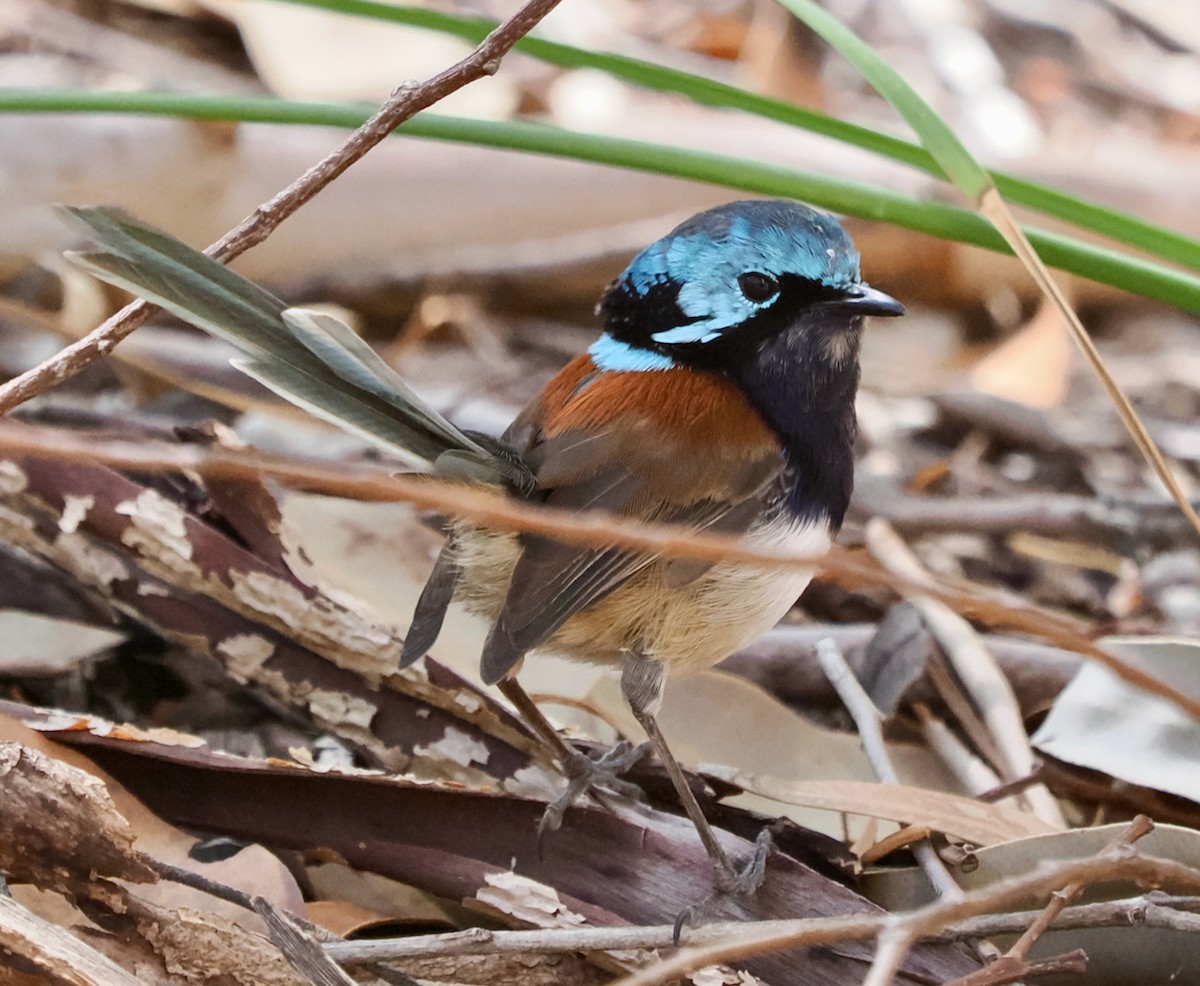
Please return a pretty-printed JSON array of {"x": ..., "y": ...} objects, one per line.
[{"x": 720, "y": 397}]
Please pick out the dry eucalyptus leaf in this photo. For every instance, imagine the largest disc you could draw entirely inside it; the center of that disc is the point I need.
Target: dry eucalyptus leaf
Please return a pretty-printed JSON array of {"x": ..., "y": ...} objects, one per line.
[
  {"x": 1104, "y": 723},
  {"x": 713, "y": 718},
  {"x": 1032, "y": 367},
  {"x": 965, "y": 818}
]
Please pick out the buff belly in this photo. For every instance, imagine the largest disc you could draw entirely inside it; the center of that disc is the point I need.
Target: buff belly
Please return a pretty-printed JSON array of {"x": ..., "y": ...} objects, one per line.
[{"x": 688, "y": 628}]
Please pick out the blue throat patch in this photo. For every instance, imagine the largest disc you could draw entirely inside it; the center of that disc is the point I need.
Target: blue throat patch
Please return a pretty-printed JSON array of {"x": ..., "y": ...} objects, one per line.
[{"x": 612, "y": 354}]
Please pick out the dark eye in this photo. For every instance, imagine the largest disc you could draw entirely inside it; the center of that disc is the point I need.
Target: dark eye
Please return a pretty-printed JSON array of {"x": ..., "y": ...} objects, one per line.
[{"x": 758, "y": 287}]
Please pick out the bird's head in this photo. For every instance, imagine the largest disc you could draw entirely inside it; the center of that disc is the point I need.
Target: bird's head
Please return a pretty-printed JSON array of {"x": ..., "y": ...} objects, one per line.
[{"x": 711, "y": 292}]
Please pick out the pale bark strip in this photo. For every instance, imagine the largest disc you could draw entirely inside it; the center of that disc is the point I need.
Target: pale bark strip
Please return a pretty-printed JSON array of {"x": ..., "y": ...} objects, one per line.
[{"x": 38, "y": 948}]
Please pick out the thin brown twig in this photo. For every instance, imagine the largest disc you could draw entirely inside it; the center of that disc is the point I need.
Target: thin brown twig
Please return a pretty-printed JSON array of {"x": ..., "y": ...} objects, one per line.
[
  {"x": 590, "y": 528},
  {"x": 923, "y": 922},
  {"x": 404, "y": 103},
  {"x": 1138, "y": 828},
  {"x": 1015, "y": 786},
  {"x": 900, "y": 839},
  {"x": 1001, "y": 971}
]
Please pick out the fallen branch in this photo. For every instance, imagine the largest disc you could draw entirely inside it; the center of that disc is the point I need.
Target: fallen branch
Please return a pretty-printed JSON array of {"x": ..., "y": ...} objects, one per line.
[
  {"x": 52, "y": 954},
  {"x": 1140, "y": 912},
  {"x": 925, "y": 922}
]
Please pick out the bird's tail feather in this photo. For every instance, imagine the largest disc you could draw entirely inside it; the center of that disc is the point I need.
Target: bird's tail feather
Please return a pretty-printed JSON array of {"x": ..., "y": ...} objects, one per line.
[{"x": 309, "y": 358}]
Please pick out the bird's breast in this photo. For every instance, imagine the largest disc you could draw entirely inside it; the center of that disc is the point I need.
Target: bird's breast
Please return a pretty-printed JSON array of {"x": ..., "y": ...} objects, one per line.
[
  {"x": 689, "y": 628},
  {"x": 649, "y": 446}
]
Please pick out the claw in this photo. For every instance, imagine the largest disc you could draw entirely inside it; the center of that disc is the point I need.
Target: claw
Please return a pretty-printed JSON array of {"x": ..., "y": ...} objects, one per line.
[
  {"x": 689, "y": 917},
  {"x": 600, "y": 779},
  {"x": 730, "y": 883},
  {"x": 747, "y": 882}
]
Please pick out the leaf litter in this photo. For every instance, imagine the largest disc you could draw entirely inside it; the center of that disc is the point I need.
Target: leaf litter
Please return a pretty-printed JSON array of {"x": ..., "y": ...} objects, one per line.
[{"x": 265, "y": 622}]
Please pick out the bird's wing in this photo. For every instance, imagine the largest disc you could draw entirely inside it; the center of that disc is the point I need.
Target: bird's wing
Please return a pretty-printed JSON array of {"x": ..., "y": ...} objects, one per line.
[{"x": 708, "y": 463}]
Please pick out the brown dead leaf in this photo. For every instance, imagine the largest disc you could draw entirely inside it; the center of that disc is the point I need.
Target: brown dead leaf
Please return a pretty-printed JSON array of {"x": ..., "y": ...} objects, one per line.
[
  {"x": 344, "y": 918},
  {"x": 370, "y": 893},
  {"x": 974, "y": 821},
  {"x": 1032, "y": 367}
]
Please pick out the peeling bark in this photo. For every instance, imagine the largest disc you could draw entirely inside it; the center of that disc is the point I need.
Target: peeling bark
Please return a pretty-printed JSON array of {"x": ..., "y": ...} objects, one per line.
[
  {"x": 185, "y": 580},
  {"x": 637, "y": 867},
  {"x": 36, "y": 951},
  {"x": 60, "y": 831},
  {"x": 58, "y": 825}
]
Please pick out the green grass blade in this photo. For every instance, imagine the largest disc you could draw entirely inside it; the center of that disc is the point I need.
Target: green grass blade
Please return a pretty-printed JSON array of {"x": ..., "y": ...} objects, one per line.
[
  {"x": 851, "y": 198},
  {"x": 975, "y": 182},
  {"x": 955, "y": 160},
  {"x": 1155, "y": 240}
]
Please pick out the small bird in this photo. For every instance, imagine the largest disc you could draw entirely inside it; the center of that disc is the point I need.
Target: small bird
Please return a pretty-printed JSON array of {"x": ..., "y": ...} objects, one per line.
[{"x": 720, "y": 396}]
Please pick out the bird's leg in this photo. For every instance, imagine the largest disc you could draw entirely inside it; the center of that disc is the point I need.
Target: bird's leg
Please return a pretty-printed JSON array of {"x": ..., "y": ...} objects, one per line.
[
  {"x": 511, "y": 689},
  {"x": 598, "y": 778},
  {"x": 642, "y": 681}
]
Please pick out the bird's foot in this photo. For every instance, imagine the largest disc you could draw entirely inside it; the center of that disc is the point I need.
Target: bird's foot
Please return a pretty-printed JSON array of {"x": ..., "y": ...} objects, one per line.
[
  {"x": 745, "y": 883},
  {"x": 600, "y": 779},
  {"x": 731, "y": 882}
]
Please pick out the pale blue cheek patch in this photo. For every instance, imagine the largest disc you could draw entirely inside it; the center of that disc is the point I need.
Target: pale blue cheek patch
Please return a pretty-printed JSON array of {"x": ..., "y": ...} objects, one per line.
[
  {"x": 696, "y": 332},
  {"x": 612, "y": 354}
]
